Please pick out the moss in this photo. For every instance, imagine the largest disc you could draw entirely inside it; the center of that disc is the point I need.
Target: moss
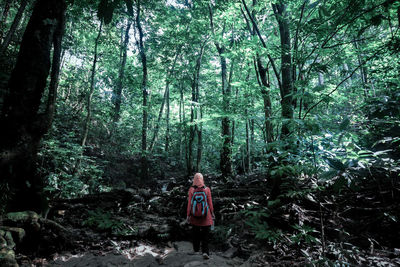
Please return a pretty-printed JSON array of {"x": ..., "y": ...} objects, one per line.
[
  {"x": 22, "y": 216},
  {"x": 17, "y": 233}
]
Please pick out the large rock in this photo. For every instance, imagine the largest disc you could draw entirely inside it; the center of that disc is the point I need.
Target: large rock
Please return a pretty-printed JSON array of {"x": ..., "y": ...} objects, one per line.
[
  {"x": 7, "y": 258},
  {"x": 17, "y": 233}
]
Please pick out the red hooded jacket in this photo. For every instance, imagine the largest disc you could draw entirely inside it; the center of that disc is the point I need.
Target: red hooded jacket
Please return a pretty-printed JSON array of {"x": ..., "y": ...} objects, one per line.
[{"x": 203, "y": 221}]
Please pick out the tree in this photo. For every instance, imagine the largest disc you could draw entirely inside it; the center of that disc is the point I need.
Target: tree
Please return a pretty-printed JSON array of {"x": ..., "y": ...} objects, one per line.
[
  {"x": 22, "y": 122},
  {"x": 226, "y": 152},
  {"x": 145, "y": 93}
]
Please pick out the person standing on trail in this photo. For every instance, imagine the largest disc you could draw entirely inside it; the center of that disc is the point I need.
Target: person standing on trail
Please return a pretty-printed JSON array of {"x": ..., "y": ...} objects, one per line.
[{"x": 200, "y": 214}]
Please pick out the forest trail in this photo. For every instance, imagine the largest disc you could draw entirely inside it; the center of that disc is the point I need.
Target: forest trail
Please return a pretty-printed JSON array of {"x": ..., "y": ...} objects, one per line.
[{"x": 180, "y": 255}]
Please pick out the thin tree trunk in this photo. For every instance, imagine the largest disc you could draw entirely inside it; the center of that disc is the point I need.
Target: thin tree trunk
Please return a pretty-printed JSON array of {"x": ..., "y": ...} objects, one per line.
[
  {"x": 181, "y": 124},
  {"x": 165, "y": 99},
  {"x": 194, "y": 107},
  {"x": 91, "y": 90},
  {"x": 13, "y": 27},
  {"x": 167, "y": 122},
  {"x": 22, "y": 124},
  {"x": 226, "y": 152},
  {"x": 286, "y": 67},
  {"x": 145, "y": 95},
  {"x": 117, "y": 96},
  {"x": 199, "y": 141}
]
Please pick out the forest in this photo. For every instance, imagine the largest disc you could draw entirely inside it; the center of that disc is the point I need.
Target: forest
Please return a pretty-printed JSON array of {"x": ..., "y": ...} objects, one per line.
[{"x": 289, "y": 108}]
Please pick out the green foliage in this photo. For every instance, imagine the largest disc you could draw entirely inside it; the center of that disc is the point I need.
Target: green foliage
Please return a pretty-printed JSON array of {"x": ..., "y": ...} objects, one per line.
[
  {"x": 221, "y": 233},
  {"x": 67, "y": 172},
  {"x": 256, "y": 219},
  {"x": 103, "y": 221},
  {"x": 304, "y": 234}
]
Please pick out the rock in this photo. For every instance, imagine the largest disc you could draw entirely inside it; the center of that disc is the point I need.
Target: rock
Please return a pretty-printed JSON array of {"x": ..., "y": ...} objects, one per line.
[
  {"x": 145, "y": 261},
  {"x": 230, "y": 253},
  {"x": 9, "y": 239},
  {"x": 183, "y": 246},
  {"x": 7, "y": 258},
  {"x": 193, "y": 263},
  {"x": 3, "y": 242},
  {"x": 22, "y": 218},
  {"x": 17, "y": 233}
]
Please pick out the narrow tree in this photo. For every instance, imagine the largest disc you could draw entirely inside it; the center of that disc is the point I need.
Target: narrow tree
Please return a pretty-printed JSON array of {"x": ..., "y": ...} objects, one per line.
[
  {"x": 193, "y": 108},
  {"x": 91, "y": 89},
  {"x": 117, "y": 94},
  {"x": 164, "y": 100},
  {"x": 286, "y": 66},
  {"x": 145, "y": 93},
  {"x": 226, "y": 153},
  {"x": 13, "y": 27}
]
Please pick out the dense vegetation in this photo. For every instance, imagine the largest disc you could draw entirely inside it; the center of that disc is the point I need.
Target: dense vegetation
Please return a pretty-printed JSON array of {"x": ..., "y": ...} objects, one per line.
[{"x": 302, "y": 96}]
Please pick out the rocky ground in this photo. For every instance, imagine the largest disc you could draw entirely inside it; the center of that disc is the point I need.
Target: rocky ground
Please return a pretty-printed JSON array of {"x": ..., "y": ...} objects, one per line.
[{"x": 145, "y": 227}]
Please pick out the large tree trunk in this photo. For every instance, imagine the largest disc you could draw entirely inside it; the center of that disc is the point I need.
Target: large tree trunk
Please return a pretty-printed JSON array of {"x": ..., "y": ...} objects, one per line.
[
  {"x": 22, "y": 124},
  {"x": 118, "y": 90},
  {"x": 286, "y": 67},
  {"x": 13, "y": 27},
  {"x": 145, "y": 95},
  {"x": 91, "y": 89}
]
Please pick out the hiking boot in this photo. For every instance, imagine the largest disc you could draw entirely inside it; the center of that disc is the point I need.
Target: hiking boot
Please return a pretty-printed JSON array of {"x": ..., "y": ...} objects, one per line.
[{"x": 206, "y": 256}]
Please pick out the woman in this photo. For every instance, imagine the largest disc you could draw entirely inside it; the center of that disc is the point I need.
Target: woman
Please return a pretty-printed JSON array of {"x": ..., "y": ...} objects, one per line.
[{"x": 201, "y": 223}]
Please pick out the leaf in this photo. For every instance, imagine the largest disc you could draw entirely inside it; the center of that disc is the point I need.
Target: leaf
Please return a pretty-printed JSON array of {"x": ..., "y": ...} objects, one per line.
[
  {"x": 336, "y": 164},
  {"x": 345, "y": 124},
  {"x": 339, "y": 183}
]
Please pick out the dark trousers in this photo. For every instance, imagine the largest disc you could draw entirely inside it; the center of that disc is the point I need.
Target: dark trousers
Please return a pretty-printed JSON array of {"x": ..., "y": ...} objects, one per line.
[{"x": 200, "y": 236}]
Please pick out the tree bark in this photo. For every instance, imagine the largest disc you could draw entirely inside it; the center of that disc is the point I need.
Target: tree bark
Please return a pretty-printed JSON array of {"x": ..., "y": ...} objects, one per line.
[
  {"x": 13, "y": 27},
  {"x": 264, "y": 84},
  {"x": 193, "y": 110},
  {"x": 199, "y": 142},
  {"x": 226, "y": 152},
  {"x": 91, "y": 89},
  {"x": 22, "y": 124},
  {"x": 4, "y": 16},
  {"x": 117, "y": 100},
  {"x": 164, "y": 100},
  {"x": 286, "y": 67},
  {"x": 145, "y": 94}
]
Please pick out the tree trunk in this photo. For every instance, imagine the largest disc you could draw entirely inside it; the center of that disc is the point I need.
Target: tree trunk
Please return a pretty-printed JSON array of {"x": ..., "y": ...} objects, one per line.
[
  {"x": 91, "y": 89},
  {"x": 13, "y": 27},
  {"x": 118, "y": 90},
  {"x": 167, "y": 122},
  {"x": 145, "y": 94},
  {"x": 4, "y": 16},
  {"x": 193, "y": 111},
  {"x": 226, "y": 153},
  {"x": 199, "y": 142},
  {"x": 22, "y": 124},
  {"x": 265, "y": 93},
  {"x": 165, "y": 99},
  {"x": 286, "y": 67},
  {"x": 184, "y": 148}
]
